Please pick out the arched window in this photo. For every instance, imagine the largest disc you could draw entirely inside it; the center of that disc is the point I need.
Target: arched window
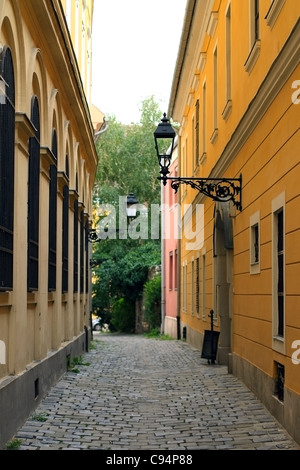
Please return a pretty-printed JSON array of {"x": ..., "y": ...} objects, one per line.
[
  {"x": 82, "y": 230},
  {"x": 33, "y": 199},
  {"x": 52, "y": 217},
  {"x": 75, "y": 254},
  {"x": 65, "y": 231},
  {"x": 7, "y": 145}
]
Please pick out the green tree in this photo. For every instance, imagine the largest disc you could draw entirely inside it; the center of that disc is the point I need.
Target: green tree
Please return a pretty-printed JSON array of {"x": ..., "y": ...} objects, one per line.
[
  {"x": 127, "y": 162},
  {"x": 152, "y": 294},
  {"x": 123, "y": 316}
]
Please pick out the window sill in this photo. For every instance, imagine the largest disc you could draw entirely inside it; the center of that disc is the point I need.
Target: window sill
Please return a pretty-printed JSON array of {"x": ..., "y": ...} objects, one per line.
[{"x": 252, "y": 57}]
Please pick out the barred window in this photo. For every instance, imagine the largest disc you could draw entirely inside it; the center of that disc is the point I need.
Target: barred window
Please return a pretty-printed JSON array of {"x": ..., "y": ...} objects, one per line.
[
  {"x": 197, "y": 134},
  {"x": 87, "y": 273},
  {"x": 75, "y": 248},
  {"x": 81, "y": 251},
  {"x": 65, "y": 232},
  {"x": 7, "y": 145},
  {"x": 52, "y": 218},
  {"x": 197, "y": 289},
  {"x": 33, "y": 199},
  {"x": 280, "y": 272}
]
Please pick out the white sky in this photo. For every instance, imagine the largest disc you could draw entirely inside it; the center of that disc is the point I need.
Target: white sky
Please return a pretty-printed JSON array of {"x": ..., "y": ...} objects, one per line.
[{"x": 135, "y": 46}]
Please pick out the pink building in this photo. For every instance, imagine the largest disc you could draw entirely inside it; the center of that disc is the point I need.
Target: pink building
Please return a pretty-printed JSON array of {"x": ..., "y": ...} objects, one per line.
[{"x": 170, "y": 245}]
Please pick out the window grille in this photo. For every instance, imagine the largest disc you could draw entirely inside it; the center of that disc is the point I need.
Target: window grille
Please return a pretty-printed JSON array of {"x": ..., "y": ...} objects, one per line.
[
  {"x": 33, "y": 199},
  {"x": 279, "y": 381},
  {"x": 81, "y": 251},
  {"x": 197, "y": 127},
  {"x": 280, "y": 271},
  {"x": 52, "y": 218},
  {"x": 7, "y": 145},
  {"x": 86, "y": 257},
  {"x": 197, "y": 285},
  {"x": 65, "y": 239},
  {"x": 75, "y": 248}
]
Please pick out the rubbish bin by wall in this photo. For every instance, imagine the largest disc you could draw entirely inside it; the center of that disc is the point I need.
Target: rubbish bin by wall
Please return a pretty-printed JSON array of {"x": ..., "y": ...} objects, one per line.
[{"x": 210, "y": 345}]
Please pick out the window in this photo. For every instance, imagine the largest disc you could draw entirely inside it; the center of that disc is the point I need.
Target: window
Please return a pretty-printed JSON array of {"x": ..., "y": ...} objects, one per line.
[
  {"x": 273, "y": 12},
  {"x": 203, "y": 285},
  {"x": 65, "y": 231},
  {"x": 184, "y": 287},
  {"x": 228, "y": 52},
  {"x": 81, "y": 228},
  {"x": 279, "y": 381},
  {"x": 175, "y": 269},
  {"x": 254, "y": 34},
  {"x": 193, "y": 144},
  {"x": 87, "y": 268},
  {"x": 184, "y": 159},
  {"x": 278, "y": 273},
  {"x": 204, "y": 124},
  {"x": 197, "y": 130},
  {"x": 171, "y": 270},
  {"x": 52, "y": 217},
  {"x": 75, "y": 246},
  {"x": 7, "y": 145},
  {"x": 33, "y": 199},
  {"x": 197, "y": 285},
  {"x": 193, "y": 287},
  {"x": 215, "y": 97},
  {"x": 254, "y": 244}
]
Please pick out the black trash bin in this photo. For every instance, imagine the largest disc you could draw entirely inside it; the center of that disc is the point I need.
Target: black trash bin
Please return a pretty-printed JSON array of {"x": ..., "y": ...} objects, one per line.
[
  {"x": 210, "y": 341},
  {"x": 210, "y": 345}
]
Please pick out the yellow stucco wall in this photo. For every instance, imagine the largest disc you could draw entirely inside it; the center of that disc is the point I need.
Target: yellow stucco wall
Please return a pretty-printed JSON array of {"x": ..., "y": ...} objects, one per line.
[
  {"x": 34, "y": 323},
  {"x": 259, "y": 139}
]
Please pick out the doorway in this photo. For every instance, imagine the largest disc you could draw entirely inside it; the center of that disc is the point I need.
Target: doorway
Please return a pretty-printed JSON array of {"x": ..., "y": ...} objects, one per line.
[{"x": 223, "y": 278}]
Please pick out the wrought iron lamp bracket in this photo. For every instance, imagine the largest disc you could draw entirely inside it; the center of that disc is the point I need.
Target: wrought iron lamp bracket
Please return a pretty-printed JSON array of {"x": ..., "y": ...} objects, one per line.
[{"x": 218, "y": 189}]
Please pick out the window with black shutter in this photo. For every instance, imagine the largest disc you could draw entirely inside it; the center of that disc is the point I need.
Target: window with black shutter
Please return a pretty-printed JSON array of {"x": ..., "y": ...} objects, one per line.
[
  {"x": 7, "y": 145},
  {"x": 197, "y": 134},
  {"x": 52, "y": 217},
  {"x": 81, "y": 251},
  {"x": 86, "y": 257},
  {"x": 33, "y": 199},
  {"x": 65, "y": 233},
  {"x": 75, "y": 254},
  {"x": 280, "y": 272}
]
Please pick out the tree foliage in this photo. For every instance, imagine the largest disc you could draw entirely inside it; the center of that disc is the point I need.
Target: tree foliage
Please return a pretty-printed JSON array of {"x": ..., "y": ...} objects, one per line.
[
  {"x": 127, "y": 162},
  {"x": 123, "y": 316},
  {"x": 152, "y": 294},
  {"x": 127, "y": 158}
]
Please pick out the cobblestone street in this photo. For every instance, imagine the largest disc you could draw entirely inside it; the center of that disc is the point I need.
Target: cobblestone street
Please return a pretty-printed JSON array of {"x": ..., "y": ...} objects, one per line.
[{"x": 149, "y": 394}]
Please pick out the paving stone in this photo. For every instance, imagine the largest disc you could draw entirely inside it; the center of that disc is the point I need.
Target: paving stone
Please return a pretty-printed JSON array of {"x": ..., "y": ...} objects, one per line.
[{"x": 148, "y": 394}]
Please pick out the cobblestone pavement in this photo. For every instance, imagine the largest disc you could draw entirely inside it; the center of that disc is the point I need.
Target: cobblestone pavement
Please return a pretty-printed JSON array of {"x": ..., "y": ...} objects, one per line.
[{"x": 149, "y": 394}]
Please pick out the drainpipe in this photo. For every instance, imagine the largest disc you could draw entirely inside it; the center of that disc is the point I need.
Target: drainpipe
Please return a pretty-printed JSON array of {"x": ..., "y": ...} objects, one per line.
[{"x": 179, "y": 250}]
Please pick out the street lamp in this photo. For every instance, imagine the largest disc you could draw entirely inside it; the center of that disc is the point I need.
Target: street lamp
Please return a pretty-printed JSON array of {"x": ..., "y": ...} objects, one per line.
[
  {"x": 218, "y": 189},
  {"x": 131, "y": 206},
  {"x": 131, "y": 203}
]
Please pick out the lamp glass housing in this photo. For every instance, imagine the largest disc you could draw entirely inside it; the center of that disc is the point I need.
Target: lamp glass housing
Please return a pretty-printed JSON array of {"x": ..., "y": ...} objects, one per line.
[
  {"x": 164, "y": 137},
  {"x": 131, "y": 206}
]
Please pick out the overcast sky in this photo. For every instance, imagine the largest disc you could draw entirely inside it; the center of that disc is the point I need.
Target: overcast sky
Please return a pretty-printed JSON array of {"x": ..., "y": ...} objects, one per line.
[{"x": 135, "y": 46}]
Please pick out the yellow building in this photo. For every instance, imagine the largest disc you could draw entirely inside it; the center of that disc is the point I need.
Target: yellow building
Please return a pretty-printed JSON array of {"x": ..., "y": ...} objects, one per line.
[
  {"x": 47, "y": 168},
  {"x": 236, "y": 95}
]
